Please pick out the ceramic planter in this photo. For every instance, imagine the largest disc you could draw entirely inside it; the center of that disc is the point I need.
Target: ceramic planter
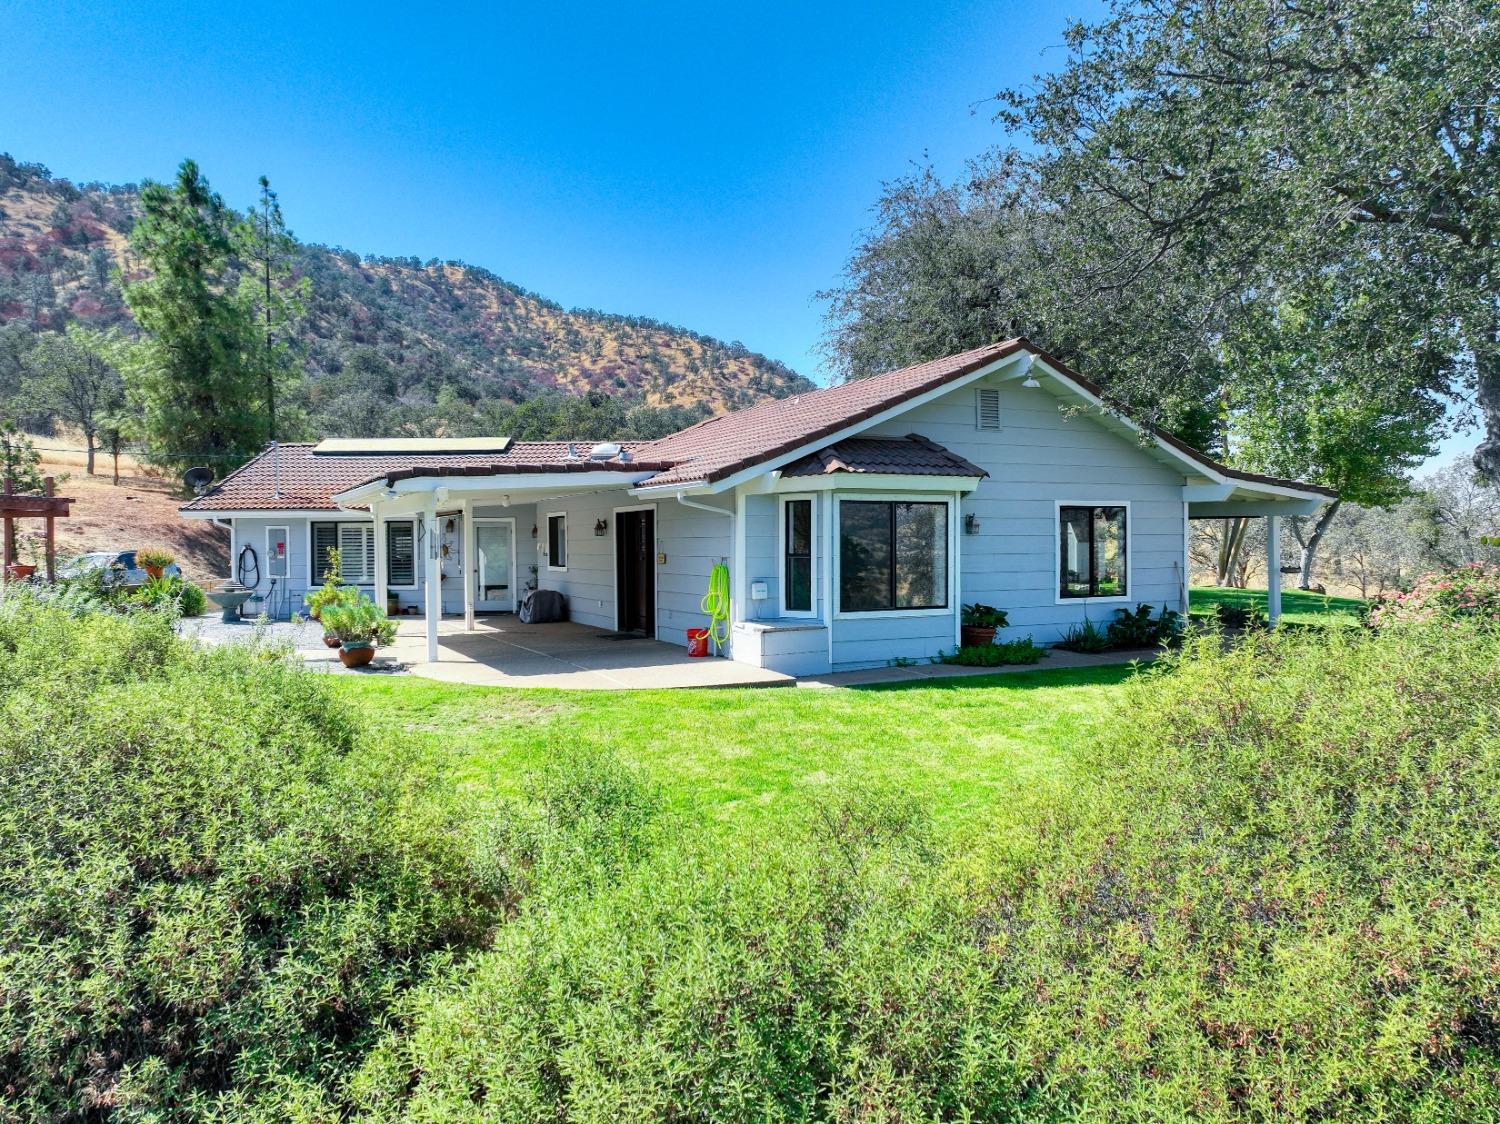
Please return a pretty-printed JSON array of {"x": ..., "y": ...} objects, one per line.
[
  {"x": 19, "y": 571},
  {"x": 332, "y": 641},
  {"x": 976, "y": 635},
  {"x": 356, "y": 655}
]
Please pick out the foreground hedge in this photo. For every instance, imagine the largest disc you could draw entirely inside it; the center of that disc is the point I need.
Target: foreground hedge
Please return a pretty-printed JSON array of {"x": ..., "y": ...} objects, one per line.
[
  {"x": 211, "y": 891},
  {"x": 1277, "y": 902}
]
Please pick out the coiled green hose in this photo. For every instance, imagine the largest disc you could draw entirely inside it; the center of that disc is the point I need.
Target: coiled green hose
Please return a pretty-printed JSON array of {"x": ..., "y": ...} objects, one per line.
[{"x": 716, "y": 605}]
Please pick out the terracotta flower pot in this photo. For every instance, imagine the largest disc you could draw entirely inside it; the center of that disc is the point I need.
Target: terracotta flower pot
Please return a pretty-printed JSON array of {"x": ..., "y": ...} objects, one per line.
[
  {"x": 154, "y": 572},
  {"x": 19, "y": 571},
  {"x": 331, "y": 640},
  {"x": 356, "y": 657},
  {"x": 976, "y": 635}
]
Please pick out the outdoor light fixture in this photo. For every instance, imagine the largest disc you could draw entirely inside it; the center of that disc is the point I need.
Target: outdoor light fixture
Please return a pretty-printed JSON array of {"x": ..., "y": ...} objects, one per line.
[
  {"x": 601, "y": 528},
  {"x": 533, "y": 530},
  {"x": 971, "y": 524},
  {"x": 1030, "y": 382}
]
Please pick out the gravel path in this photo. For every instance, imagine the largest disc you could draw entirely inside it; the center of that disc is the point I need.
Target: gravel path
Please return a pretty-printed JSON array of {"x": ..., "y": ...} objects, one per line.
[{"x": 211, "y": 630}]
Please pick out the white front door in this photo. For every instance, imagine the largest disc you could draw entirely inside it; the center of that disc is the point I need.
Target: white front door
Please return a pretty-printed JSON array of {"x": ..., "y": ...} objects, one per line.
[{"x": 495, "y": 565}]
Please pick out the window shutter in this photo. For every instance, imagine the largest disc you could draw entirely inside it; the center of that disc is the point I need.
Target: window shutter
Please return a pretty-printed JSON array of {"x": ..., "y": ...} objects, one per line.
[
  {"x": 987, "y": 408},
  {"x": 357, "y": 552},
  {"x": 401, "y": 554},
  {"x": 324, "y": 538}
]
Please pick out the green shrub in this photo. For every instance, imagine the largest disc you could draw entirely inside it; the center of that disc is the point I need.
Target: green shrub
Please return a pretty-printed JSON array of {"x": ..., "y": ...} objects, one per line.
[
  {"x": 1230, "y": 615},
  {"x": 824, "y": 975},
  {"x": 998, "y": 654},
  {"x": 1137, "y": 628},
  {"x": 984, "y": 616},
  {"x": 1283, "y": 899},
  {"x": 358, "y": 621},
  {"x": 170, "y": 594},
  {"x": 212, "y": 886},
  {"x": 1466, "y": 592},
  {"x": 1085, "y": 637}
]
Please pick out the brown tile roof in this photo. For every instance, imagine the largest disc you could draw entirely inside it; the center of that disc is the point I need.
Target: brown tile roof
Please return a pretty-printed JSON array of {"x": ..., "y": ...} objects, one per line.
[
  {"x": 705, "y": 453},
  {"x": 721, "y": 446},
  {"x": 912, "y": 455},
  {"x": 309, "y": 480}
]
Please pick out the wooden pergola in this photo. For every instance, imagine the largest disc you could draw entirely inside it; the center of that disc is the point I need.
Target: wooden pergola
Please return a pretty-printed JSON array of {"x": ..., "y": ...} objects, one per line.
[{"x": 47, "y": 506}]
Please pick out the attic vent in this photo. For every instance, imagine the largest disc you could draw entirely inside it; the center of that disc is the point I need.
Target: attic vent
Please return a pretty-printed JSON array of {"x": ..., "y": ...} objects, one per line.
[{"x": 987, "y": 408}]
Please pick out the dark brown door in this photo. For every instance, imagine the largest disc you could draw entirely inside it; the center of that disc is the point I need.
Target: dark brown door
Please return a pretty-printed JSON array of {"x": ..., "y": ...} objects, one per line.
[{"x": 635, "y": 570}]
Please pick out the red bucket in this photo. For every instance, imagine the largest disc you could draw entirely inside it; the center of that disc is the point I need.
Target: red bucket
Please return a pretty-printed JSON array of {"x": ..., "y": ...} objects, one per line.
[{"x": 697, "y": 641}]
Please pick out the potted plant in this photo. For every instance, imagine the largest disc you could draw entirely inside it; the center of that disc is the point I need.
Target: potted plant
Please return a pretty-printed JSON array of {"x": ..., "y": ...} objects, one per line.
[
  {"x": 979, "y": 623},
  {"x": 30, "y": 548},
  {"x": 331, "y": 592},
  {"x": 154, "y": 560},
  {"x": 360, "y": 627}
]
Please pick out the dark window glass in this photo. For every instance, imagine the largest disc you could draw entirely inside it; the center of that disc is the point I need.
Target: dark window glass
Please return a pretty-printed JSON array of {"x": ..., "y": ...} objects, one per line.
[
  {"x": 400, "y": 554},
  {"x": 1091, "y": 548},
  {"x": 892, "y": 556},
  {"x": 798, "y": 575},
  {"x": 557, "y": 540}
]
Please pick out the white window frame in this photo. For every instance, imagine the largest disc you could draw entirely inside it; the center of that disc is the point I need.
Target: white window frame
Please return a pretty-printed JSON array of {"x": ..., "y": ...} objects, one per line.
[
  {"x": 945, "y": 498},
  {"x": 1057, "y": 559},
  {"x": 316, "y": 579},
  {"x": 812, "y": 499},
  {"x": 547, "y": 541},
  {"x": 286, "y": 565}
]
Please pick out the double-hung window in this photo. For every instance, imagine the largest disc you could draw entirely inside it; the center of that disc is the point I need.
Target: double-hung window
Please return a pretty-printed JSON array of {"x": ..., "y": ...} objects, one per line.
[
  {"x": 892, "y": 555},
  {"x": 1092, "y": 552},
  {"x": 797, "y": 556}
]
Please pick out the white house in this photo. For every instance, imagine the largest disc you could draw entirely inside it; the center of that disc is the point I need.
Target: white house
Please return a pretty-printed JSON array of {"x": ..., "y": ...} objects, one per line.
[{"x": 854, "y": 521}]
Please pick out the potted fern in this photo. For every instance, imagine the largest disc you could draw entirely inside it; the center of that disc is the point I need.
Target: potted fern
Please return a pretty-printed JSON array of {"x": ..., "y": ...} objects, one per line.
[
  {"x": 154, "y": 560},
  {"x": 360, "y": 626},
  {"x": 979, "y": 624}
]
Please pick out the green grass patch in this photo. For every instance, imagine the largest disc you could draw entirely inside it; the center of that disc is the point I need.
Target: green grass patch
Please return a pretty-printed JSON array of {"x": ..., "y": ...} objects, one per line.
[
  {"x": 1297, "y": 606},
  {"x": 969, "y": 749}
]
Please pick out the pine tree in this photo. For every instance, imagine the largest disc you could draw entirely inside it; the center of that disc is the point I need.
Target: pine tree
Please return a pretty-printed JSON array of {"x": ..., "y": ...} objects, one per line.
[
  {"x": 193, "y": 378},
  {"x": 275, "y": 296}
]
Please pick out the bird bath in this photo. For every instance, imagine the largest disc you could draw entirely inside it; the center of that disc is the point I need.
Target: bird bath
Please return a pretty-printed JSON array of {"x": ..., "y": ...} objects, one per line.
[{"x": 229, "y": 597}]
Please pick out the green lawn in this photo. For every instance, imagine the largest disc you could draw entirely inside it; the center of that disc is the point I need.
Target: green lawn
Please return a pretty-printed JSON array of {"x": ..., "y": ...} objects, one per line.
[
  {"x": 973, "y": 750},
  {"x": 1297, "y": 607}
]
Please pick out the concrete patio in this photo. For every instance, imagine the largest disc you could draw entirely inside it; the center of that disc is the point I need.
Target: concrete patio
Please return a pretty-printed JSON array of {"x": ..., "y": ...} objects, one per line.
[{"x": 503, "y": 652}]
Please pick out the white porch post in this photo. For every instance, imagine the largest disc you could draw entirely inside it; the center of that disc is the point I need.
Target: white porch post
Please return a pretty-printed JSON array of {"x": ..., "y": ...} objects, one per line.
[
  {"x": 1273, "y": 569},
  {"x": 434, "y": 587},
  {"x": 382, "y": 563},
  {"x": 470, "y": 561}
]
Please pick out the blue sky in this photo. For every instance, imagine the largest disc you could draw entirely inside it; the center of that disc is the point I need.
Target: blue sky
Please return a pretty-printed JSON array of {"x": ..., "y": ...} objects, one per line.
[{"x": 709, "y": 165}]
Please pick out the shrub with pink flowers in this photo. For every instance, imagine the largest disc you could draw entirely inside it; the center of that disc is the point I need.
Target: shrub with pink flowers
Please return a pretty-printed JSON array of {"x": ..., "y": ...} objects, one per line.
[{"x": 1468, "y": 591}]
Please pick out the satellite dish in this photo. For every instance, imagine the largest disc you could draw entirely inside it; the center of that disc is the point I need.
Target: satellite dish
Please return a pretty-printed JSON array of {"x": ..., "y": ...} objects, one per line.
[{"x": 198, "y": 479}]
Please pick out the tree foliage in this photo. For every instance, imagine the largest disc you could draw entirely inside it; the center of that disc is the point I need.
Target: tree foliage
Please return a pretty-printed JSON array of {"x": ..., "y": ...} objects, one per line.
[
  {"x": 72, "y": 375},
  {"x": 192, "y": 377}
]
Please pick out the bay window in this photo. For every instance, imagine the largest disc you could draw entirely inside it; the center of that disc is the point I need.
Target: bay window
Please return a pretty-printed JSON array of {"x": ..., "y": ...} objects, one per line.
[
  {"x": 893, "y": 556},
  {"x": 1092, "y": 551}
]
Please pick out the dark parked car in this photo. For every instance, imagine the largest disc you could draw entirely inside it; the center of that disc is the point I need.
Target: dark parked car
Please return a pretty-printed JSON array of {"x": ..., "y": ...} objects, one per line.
[{"x": 119, "y": 566}]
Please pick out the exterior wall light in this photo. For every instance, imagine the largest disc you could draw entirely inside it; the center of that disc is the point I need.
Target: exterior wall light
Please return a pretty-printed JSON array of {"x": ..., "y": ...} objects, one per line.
[
  {"x": 971, "y": 524},
  {"x": 601, "y": 528}
]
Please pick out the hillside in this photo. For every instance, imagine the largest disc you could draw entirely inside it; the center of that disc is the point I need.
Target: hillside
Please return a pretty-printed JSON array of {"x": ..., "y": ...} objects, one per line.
[{"x": 409, "y": 327}]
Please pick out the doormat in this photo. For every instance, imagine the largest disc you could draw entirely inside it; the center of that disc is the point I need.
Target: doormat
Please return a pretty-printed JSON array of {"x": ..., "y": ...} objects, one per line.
[{"x": 620, "y": 635}]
